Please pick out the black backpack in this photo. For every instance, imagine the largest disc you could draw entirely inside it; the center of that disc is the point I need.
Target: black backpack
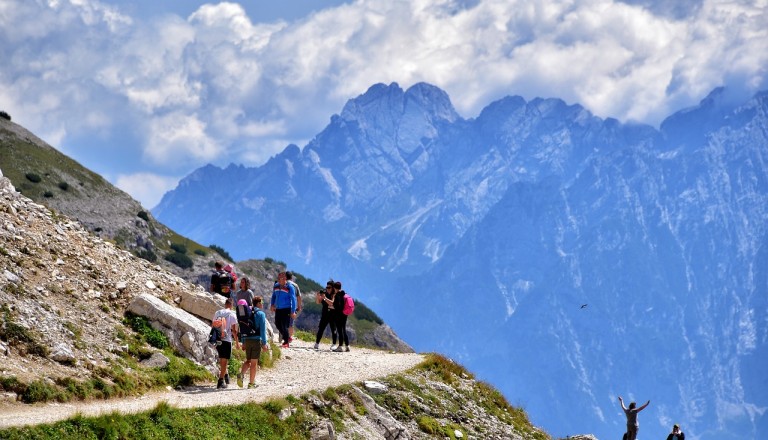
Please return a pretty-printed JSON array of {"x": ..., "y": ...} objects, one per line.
[
  {"x": 214, "y": 338},
  {"x": 221, "y": 281},
  {"x": 245, "y": 320}
]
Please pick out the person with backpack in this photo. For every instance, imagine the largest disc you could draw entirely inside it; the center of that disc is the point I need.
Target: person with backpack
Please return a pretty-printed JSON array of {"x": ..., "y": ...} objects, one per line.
[
  {"x": 283, "y": 305},
  {"x": 221, "y": 280},
  {"x": 632, "y": 424},
  {"x": 226, "y": 321},
  {"x": 253, "y": 331},
  {"x": 340, "y": 317},
  {"x": 326, "y": 316},
  {"x": 299, "y": 303},
  {"x": 676, "y": 433}
]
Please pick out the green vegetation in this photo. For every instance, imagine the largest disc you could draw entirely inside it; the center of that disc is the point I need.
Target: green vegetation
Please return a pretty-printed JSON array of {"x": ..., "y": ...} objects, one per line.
[
  {"x": 146, "y": 254},
  {"x": 64, "y": 186},
  {"x": 47, "y": 194},
  {"x": 34, "y": 178},
  {"x": 5, "y": 115},
  {"x": 180, "y": 260},
  {"x": 178, "y": 247},
  {"x": 200, "y": 252},
  {"x": 20, "y": 337},
  {"x": 143, "y": 215},
  {"x": 221, "y": 251},
  {"x": 141, "y": 325}
]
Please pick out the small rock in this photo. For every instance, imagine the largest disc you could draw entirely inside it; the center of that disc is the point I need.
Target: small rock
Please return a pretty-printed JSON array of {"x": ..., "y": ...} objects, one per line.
[
  {"x": 10, "y": 276},
  {"x": 375, "y": 387},
  {"x": 62, "y": 353},
  {"x": 458, "y": 434},
  {"x": 150, "y": 285},
  {"x": 285, "y": 413},
  {"x": 157, "y": 360},
  {"x": 121, "y": 285}
]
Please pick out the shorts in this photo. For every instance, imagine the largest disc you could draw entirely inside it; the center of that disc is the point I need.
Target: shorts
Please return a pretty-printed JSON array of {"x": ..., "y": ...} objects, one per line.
[
  {"x": 253, "y": 349},
  {"x": 224, "y": 350}
]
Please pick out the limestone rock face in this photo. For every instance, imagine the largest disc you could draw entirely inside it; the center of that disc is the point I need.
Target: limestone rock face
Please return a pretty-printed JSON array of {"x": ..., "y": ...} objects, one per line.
[
  {"x": 200, "y": 303},
  {"x": 186, "y": 333}
]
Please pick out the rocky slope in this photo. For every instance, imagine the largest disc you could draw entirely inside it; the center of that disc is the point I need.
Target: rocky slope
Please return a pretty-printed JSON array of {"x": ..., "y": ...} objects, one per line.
[{"x": 64, "y": 292}]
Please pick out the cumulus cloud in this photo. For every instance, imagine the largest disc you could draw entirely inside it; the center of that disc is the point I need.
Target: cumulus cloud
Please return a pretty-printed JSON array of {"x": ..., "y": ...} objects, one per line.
[
  {"x": 189, "y": 88},
  {"x": 147, "y": 188}
]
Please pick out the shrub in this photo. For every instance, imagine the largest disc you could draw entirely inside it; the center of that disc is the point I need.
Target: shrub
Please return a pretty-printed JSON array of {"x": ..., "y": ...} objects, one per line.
[
  {"x": 221, "y": 252},
  {"x": 5, "y": 115},
  {"x": 147, "y": 254},
  {"x": 64, "y": 186},
  {"x": 34, "y": 178},
  {"x": 180, "y": 248},
  {"x": 143, "y": 215},
  {"x": 201, "y": 252},
  {"x": 47, "y": 194},
  {"x": 180, "y": 260},
  {"x": 141, "y": 325}
]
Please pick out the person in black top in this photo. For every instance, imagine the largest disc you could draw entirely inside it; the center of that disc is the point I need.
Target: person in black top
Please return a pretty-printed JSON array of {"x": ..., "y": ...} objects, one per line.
[
  {"x": 676, "y": 433},
  {"x": 326, "y": 316},
  {"x": 340, "y": 317}
]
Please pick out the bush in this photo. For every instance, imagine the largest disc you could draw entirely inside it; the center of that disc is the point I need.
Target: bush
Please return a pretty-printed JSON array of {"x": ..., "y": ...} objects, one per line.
[
  {"x": 221, "y": 252},
  {"x": 64, "y": 186},
  {"x": 180, "y": 260},
  {"x": 141, "y": 325},
  {"x": 34, "y": 178},
  {"x": 180, "y": 248},
  {"x": 5, "y": 115},
  {"x": 201, "y": 252},
  {"x": 47, "y": 194},
  {"x": 147, "y": 254},
  {"x": 143, "y": 215}
]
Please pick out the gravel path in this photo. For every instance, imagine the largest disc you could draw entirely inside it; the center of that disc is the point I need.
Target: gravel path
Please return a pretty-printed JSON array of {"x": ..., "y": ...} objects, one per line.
[{"x": 301, "y": 369}]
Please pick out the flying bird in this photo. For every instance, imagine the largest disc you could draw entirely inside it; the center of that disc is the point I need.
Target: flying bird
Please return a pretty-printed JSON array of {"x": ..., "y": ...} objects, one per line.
[{"x": 583, "y": 306}]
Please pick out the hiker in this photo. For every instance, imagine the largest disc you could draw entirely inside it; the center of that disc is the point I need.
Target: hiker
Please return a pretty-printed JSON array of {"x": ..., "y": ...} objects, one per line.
[
  {"x": 340, "y": 317},
  {"x": 676, "y": 433},
  {"x": 632, "y": 424},
  {"x": 326, "y": 315},
  {"x": 221, "y": 280},
  {"x": 299, "y": 304},
  {"x": 283, "y": 305},
  {"x": 230, "y": 269},
  {"x": 226, "y": 320},
  {"x": 254, "y": 344},
  {"x": 245, "y": 292}
]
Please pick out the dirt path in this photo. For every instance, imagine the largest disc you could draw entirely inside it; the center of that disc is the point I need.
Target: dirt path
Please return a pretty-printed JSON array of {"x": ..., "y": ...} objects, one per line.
[{"x": 301, "y": 370}]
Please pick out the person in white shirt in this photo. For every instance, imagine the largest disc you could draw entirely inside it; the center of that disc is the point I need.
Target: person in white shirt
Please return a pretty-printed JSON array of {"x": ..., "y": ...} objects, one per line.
[{"x": 226, "y": 320}]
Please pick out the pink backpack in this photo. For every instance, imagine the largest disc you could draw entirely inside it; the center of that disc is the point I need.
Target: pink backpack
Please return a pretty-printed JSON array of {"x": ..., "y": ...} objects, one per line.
[{"x": 349, "y": 305}]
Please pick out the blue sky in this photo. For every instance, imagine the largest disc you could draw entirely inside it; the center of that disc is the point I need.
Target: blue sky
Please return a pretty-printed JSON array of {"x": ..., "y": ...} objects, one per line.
[{"x": 143, "y": 92}]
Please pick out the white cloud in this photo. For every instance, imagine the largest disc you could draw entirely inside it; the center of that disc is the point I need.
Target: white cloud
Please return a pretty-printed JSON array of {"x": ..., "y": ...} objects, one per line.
[
  {"x": 147, "y": 188},
  {"x": 190, "y": 87}
]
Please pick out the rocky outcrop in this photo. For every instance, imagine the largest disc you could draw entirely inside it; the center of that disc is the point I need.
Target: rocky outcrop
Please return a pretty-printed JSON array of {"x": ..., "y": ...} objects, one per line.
[
  {"x": 187, "y": 334},
  {"x": 200, "y": 303}
]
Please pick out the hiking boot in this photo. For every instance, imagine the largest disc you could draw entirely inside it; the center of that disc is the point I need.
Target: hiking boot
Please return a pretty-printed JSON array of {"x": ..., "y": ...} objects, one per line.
[
  {"x": 220, "y": 384},
  {"x": 347, "y": 348},
  {"x": 317, "y": 346},
  {"x": 226, "y": 378},
  {"x": 285, "y": 345},
  {"x": 252, "y": 386},
  {"x": 339, "y": 349},
  {"x": 290, "y": 339},
  {"x": 333, "y": 347},
  {"x": 240, "y": 380}
]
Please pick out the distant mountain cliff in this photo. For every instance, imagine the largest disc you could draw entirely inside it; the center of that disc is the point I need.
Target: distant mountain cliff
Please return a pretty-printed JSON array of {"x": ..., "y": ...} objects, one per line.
[{"x": 482, "y": 238}]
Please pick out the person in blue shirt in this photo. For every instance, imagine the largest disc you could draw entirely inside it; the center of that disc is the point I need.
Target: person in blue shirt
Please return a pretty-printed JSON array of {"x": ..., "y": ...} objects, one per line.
[
  {"x": 283, "y": 305},
  {"x": 254, "y": 344}
]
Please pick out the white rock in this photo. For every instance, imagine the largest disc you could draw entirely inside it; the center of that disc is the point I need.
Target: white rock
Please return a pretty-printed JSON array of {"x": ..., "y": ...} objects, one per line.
[
  {"x": 150, "y": 285},
  {"x": 62, "y": 353},
  {"x": 458, "y": 434},
  {"x": 375, "y": 387},
  {"x": 10, "y": 276}
]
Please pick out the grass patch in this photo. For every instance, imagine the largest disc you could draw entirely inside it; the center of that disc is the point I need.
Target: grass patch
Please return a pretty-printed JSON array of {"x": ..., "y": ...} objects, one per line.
[{"x": 141, "y": 325}]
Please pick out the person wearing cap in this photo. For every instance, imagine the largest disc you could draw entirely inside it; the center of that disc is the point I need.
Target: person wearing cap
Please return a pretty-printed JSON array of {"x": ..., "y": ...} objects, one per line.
[
  {"x": 283, "y": 305},
  {"x": 676, "y": 433},
  {"x": 632, "y": 424},
  {"x": 228, "y": 324},
  {"x": 299, "y": 304},
  {"x": 254, "y": 345},
  {"x": 325, "y": 298}
]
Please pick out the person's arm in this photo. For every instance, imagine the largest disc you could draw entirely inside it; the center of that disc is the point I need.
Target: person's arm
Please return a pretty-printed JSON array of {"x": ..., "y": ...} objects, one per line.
[
  {"x": 292, "y": 296},
  {"x": 234, "y": 329},
  {"x": 622, "y": 403},
  {"x": 272, "y": 300},
  {"x": 262, "y": 330},
  {"x": 643, "y": 407}
]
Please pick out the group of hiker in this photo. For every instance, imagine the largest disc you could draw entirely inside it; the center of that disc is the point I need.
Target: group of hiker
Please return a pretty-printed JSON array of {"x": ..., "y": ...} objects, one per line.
[
  {"x": 633, "y": 425},
  {"x": 245, "y": 326}
]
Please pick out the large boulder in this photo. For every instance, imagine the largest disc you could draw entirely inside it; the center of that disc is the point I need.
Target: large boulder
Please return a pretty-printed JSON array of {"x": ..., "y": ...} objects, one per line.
[
  {"x": 200, "y": 303},
  {"x": 187, "y": 334}
]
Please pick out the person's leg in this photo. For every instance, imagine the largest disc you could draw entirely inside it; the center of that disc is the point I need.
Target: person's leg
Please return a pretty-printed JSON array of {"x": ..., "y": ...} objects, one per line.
[
  {"x": 282, "y": 317},
  {"x": 334, "y": 331},
  {"x": 321, "y": 328}
]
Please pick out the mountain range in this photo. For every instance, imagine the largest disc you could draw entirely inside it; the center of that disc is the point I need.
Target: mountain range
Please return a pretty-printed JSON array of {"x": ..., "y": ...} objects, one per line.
[{"x": 565, "y": 258}]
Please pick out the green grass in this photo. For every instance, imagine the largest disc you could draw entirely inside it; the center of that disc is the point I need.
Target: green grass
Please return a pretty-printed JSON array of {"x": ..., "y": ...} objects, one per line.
[{"x": 250, "y": 421}]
